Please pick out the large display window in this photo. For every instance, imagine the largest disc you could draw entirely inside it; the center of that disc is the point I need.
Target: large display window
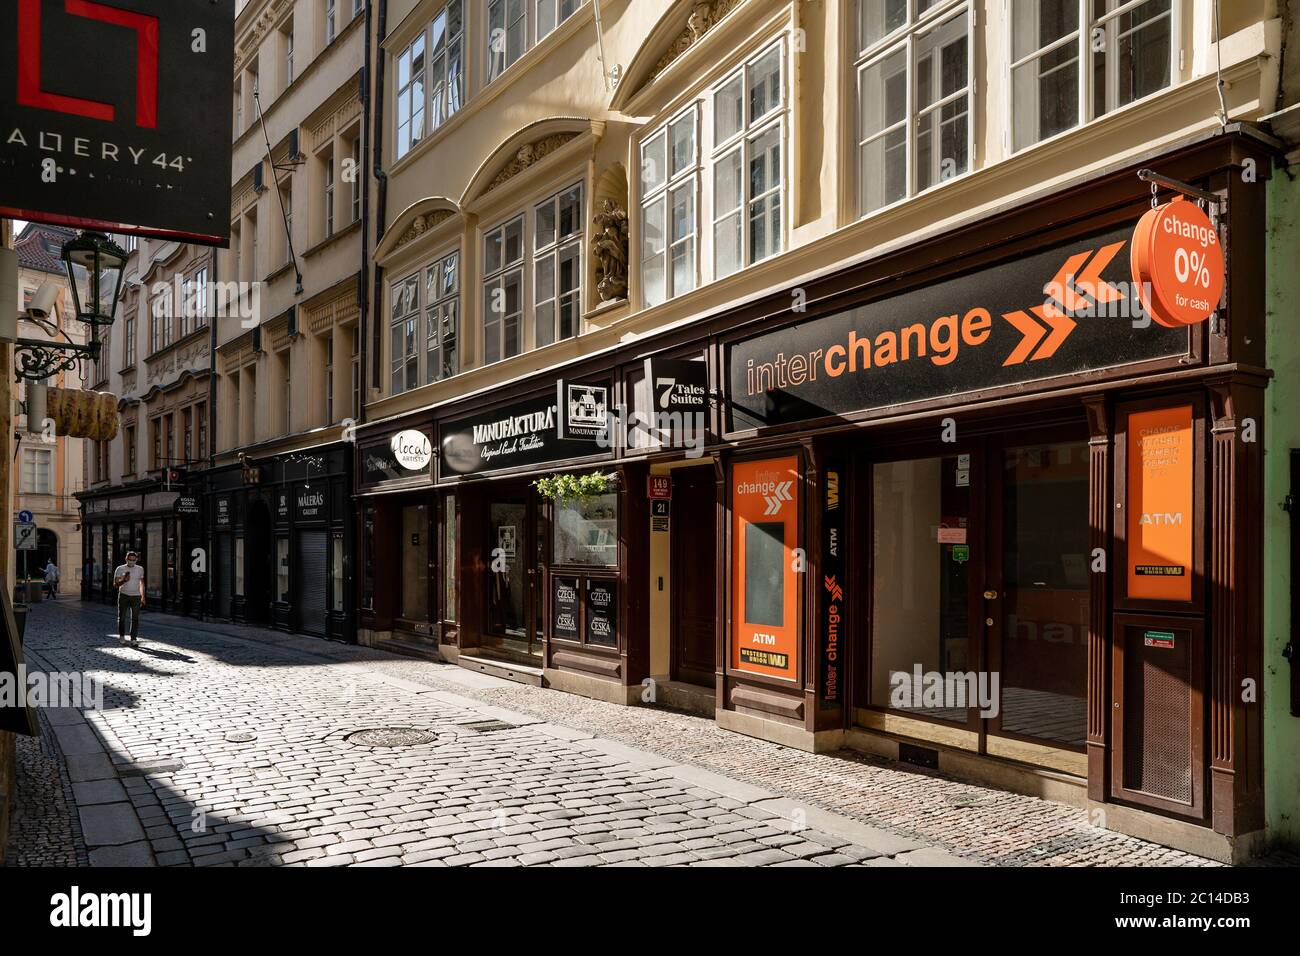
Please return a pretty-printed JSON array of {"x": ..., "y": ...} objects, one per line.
[{"x": 585, "y": 532}]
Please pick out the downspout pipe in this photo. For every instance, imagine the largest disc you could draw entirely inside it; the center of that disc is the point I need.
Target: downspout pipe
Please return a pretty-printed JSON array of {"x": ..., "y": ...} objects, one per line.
[
  {"x": 363, "y": 276},
  {"x": 381, "y": 200}
]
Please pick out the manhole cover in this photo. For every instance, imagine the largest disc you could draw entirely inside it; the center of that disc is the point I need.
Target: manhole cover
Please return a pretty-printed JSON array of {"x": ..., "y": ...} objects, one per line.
[
  {"x": 240, "y": 737},
  {"x": 391, "y": 737},
  {"x": 488, "y": 726}
]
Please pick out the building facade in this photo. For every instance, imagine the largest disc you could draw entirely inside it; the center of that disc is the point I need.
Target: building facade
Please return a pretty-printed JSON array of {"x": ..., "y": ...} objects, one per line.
[
  {"x": 48, "y": 465},
  {"x": 830, "y": 306}
]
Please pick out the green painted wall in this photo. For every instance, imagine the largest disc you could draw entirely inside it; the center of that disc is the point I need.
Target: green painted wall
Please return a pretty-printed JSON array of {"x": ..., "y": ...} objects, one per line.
[{"x": 1282, "y": 433}]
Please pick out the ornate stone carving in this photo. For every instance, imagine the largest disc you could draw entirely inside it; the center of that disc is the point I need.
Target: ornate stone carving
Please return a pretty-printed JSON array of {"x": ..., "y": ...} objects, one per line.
[
  {"x": 609, "y": 247},
  {"x": 423, "y": 224},
  {"x": 529, "y": 154},
  {"x": 702, "y": 19}
]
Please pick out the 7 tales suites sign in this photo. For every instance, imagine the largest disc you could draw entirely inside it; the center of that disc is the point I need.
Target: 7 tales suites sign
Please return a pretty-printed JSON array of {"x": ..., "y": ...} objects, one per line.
[
  {"x": 108, "y": 115},
  {"x": 1072, "y": 308}
]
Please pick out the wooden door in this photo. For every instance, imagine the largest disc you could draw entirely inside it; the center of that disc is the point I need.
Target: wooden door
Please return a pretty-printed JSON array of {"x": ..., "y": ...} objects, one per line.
[{"x": 694, "y": 543}]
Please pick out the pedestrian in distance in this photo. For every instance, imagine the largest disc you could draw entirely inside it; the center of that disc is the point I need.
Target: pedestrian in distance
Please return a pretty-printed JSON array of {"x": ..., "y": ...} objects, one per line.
[
  {"x": 51, "y": 578},
  {"x": 129, "y": 581}
]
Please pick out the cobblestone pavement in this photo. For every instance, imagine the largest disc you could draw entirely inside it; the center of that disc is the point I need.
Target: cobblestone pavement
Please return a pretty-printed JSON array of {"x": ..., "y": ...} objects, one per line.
[{"x": 220, "y": 745}]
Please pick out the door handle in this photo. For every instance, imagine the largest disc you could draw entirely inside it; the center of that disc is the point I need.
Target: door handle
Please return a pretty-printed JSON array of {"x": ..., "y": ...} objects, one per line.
[{"x": 990, "y": 595}]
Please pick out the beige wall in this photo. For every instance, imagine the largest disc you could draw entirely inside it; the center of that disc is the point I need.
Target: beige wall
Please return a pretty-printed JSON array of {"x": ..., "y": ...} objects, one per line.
[{"x": 437, "y": 200}]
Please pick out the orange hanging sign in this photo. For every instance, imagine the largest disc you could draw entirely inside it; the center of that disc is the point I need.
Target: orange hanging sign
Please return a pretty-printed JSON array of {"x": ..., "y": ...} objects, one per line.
[
  {"x": 1177, "y": 264},
  {"x": 1160, "y": 504},
  {"x": 765, "y": 595}
]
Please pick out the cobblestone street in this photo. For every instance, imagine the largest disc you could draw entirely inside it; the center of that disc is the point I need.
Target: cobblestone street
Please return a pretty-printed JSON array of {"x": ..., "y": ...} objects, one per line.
[{"x": 219, "y": 745}]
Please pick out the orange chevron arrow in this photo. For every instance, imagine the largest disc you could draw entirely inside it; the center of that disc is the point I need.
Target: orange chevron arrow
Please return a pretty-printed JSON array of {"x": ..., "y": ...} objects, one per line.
[
  {"x": 1033, "y": 334},
  {"x": 1062, "y": 326},
  {"x": 1091, "y": 281},
  {"x": 1060, "y": 287}
]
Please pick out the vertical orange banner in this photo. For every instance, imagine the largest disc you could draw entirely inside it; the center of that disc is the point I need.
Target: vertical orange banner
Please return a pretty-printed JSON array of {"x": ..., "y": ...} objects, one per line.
[
  {"x": 1160, "y": 504},
  {"x": 765, "y": 594}
]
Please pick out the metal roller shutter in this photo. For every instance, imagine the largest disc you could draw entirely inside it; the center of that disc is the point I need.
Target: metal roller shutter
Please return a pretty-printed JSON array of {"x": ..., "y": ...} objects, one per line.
[{"x": 313, "y": 551}]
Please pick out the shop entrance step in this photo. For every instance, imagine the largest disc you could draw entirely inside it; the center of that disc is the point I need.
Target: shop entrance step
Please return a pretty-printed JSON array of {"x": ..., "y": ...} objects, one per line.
[{"x": 508, "y": 670}]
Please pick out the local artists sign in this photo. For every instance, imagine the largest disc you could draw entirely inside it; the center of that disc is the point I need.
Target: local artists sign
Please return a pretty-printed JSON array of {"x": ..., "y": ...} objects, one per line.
[
  {"x": 1071, "y": 308},
  {"x": 524, "y": 433},
  {"x": 106, "y": 115}
]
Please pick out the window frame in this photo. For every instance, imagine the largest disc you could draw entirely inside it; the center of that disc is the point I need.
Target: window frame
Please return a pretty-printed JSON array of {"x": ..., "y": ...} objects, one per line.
[
  {"x": 419, "y": 315},
  {"x": 905, "y": 38},
  {"x": 691, "y": 175},
  {"x": 531, "y": 25},
  {"x": 435, "y": 109},
  {"x": 530, "y": 255},
  {"x": 1085, "y": 113},
  {"x": 38, "y": 464}
]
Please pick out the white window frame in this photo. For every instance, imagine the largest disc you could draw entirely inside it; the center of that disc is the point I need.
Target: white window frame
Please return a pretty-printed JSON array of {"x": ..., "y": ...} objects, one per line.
[
  {"x": 441, "y": 318},
  {"x": 1083, "y": 63},
  {"x": 409, "y": 321},
  {"x": 330, "y": 12},
  {"x": 553, "y": 253},
  {"x": 535, "y": 28},
  {"x": 495, "y": 321},
  {"x": 741, "y": 140},
  {"x": 357, "y": 178},
  {"x": 441, "y": 97},
  {"x": 288, "y": 56},
  {"x": 662, "y": 193},
  {"x": 904, "y": 38},
  {"x": 329, "y": 193}
]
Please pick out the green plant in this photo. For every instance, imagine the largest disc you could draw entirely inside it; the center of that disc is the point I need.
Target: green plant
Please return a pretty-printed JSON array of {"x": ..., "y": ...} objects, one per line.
[{"x": 572, "y": 487}]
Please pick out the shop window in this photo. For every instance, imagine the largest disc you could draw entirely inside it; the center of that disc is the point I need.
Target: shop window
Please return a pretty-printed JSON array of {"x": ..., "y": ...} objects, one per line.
[
  {"x": 585, "y": 532},
  {"x": 281, "y": 569},
  {"x": 450, "y": 559},
  {"x": 516, "y": 25},
  {"x": 669, "y": 187},
  {"x": 431, "y": 77},
  {"x": 537, "y": 257},
  {"x": 239, "y": 566},
  {"x": 921, "y": 510},
  {"x": 1121, "y": 50},
  {"x": 368, "y": 557},
  {"x": 748, "y": 163},
  {"x": 154, "y": 559},
  {"x": 913, "y": 89}
]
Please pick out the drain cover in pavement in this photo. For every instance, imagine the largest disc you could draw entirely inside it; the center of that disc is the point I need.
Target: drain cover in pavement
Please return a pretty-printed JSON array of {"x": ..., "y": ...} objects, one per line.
[
  {"x": 240, "y": 737},
  {"x": 488, "y": 726},
  {"x": 391, "y": 737}
]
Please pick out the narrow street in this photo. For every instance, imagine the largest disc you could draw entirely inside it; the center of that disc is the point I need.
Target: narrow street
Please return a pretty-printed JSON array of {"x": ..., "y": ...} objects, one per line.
[{"x": 220, "y": 745}]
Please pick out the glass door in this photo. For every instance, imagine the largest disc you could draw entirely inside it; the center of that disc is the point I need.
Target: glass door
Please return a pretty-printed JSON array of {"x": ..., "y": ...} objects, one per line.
[
  {"x": 1039, "y": 515},
  {"x": 415, "y": 564},
  {"x": 513, "y": 626}
]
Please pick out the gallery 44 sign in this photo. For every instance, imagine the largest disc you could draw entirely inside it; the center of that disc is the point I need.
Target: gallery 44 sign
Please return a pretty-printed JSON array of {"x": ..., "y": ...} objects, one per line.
[{"x": 104, "y": 115}]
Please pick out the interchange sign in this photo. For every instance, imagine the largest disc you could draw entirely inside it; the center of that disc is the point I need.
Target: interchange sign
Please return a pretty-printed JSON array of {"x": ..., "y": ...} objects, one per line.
[
  {"x": 1070, "y": 308},
  {"x": 115, "y": 115}
]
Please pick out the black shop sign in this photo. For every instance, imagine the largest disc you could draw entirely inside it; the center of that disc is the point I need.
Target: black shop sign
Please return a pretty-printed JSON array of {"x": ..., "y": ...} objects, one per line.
[
  {"x": 310, "y": 504},
  {"x": 222, "y": 517},
  {"x": 523, "y": 433},
  {"x": 101, "y": 115},
  {"x": 379, "y": 464},
  {"x": 1071, "y": 308}
]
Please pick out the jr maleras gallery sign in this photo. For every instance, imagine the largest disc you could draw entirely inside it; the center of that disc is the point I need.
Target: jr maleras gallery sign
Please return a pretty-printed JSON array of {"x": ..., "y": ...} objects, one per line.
[
  {"x": 1072, "y": 308},
  {"x": 115, "y": 115}
]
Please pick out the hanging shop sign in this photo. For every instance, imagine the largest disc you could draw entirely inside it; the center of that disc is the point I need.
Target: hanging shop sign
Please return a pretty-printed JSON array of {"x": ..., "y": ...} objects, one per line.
[
  {"x": 1160, "y": 503},
  {"x": 678, "y": 386},
  {"x": 412, "y": 450},
  {"x": 282, "y": 505},
  {"x": 1066, "y": 310},
  {"x": 98, "y": 123},
  {"x": 523, "y": 433},
  {"x": 832, "y": 590},
  {"x": 564, "y": 609},
  {"x": 765, "y": 529},
  {"x": 1177, "y": 264},
  {"x": 583, "y": 410},
  {"x": 602, "y": 610},
  {"x": 222, "y": 518}
]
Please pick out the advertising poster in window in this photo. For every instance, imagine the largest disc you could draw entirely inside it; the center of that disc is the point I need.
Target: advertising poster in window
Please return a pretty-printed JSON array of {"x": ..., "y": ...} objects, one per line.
[
  {"x": 765, "y": 528},
  {"x": 564, "y": 610},
  {"x": 601, "y": 603},
  {"x": 1160, "y": 489},
  {"x": 832, "y": 589}
]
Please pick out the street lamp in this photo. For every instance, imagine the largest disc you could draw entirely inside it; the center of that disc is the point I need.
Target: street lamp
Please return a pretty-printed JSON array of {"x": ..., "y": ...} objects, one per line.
[{"x": 94, "y": 261}]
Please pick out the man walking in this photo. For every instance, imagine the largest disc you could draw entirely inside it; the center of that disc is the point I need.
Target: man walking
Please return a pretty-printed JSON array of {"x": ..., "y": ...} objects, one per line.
[
  {"x": 51, "y": 578},
  {"x": 129, "y": 581}
]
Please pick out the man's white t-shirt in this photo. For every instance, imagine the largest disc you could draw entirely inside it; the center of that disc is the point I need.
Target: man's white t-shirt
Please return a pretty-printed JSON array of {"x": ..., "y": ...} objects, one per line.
[{"x": 134, "y": 579}]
